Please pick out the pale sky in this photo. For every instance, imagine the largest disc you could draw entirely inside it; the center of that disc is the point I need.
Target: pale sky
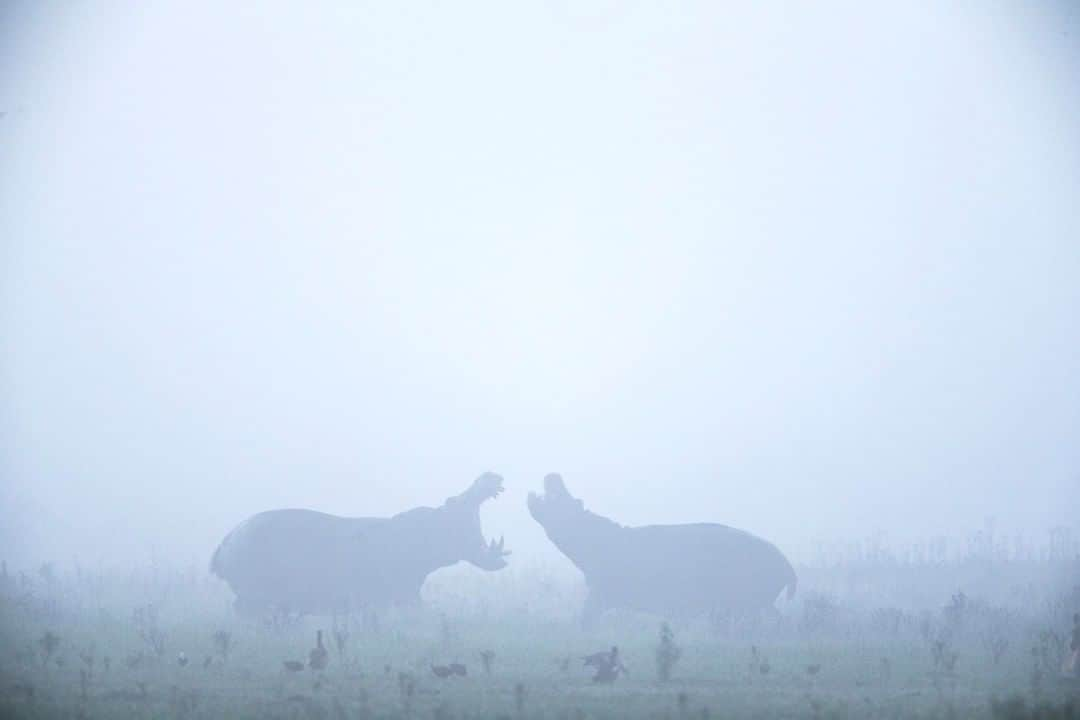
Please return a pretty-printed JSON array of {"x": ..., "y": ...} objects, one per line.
[{"x": 811, "y": 270}]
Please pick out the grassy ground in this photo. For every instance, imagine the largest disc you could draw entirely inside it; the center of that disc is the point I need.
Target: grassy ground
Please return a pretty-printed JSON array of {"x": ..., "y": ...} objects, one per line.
[{"x": 110, "y": 646}]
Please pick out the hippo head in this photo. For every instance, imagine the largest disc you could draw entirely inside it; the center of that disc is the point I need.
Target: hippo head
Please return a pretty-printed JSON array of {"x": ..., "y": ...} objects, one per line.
[
  {"x": 463, "y": 534},
  {"x": 588, "y": 540},
  {"x": 556, "y": 507}
]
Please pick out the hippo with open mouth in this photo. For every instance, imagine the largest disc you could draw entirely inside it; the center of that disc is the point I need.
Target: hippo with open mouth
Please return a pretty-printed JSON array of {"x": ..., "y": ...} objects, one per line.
[
  {"x": 665, "y": 569},
  {"x": 314, "y": 563}
]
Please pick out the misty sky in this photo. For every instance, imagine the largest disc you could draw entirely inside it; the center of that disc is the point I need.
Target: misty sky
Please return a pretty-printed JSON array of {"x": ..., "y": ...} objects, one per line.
[{"x": 810, "y": 271}]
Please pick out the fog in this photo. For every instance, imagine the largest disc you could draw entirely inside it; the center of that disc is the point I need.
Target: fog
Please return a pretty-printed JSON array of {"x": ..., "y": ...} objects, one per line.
[{"x": 810, "y": 271}]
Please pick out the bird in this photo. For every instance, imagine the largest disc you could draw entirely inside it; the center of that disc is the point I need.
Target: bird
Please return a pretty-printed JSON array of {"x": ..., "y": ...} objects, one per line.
[
  {"x": 318, "y": 656},
  {"x": 598, "y": 658},
  {"x": 446, "y": 671},
  {"x": 182, "y": 659},
  {"x": 293, "y": 665},
  {"x": 607, "y": 664}
]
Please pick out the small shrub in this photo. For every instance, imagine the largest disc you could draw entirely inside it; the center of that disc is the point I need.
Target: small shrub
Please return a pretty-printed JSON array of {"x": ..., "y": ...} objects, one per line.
[
  {"x": 145, "y": 620},
  {"x": 955, "y": 612},
  {"x": 519, "y": 698},
  {"x": 487, "y": 657},
  {"x": 223, "y": 643},
  {"x": 49, "y": 644},
  {"x": 944, "y": 656},
  {"x": 667, "y": 653},
  {"x": 340, "y": 632}
]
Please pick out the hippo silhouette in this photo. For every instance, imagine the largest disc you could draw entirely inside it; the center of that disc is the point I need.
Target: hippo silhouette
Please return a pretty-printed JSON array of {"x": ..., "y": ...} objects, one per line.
[
  {"x": 313, "y": 563},
  {"x": 674, "y": 570}
]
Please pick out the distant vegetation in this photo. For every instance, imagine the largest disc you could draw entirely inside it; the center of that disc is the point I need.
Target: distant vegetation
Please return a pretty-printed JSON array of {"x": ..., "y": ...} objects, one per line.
[{"x": 978, "y": 630}]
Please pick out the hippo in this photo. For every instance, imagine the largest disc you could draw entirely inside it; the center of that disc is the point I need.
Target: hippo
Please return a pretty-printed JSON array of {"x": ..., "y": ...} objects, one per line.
[
  {"x": 310, "y": 562},
  {"x": 672, "y": 570}
]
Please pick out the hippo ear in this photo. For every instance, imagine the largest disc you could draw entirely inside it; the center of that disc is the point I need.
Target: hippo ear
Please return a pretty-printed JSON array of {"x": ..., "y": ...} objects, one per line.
[
  {"x": 555, "y": 487},
  {"x": 553, "y": 483}
]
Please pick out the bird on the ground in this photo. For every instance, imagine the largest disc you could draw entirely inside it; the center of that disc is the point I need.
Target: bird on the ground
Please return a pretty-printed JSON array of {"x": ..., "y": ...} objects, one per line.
[
  {"x": 607, "y": 664},
  {"x": 599, "y": 659},
  {"x": 446, "y": 671}
]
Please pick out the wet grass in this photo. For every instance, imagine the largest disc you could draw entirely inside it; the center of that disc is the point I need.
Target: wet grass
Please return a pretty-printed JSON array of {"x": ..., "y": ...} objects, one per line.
[{"x": 168, "y": 646}]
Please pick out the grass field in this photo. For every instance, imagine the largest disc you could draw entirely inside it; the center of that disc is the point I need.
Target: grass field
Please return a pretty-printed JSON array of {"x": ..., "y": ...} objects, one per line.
[{"x": 862, "y": 639}]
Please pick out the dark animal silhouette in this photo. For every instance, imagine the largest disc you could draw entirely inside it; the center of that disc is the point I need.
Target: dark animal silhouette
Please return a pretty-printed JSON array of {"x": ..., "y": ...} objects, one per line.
[
  {"x": 665, "y": 569},
  {"x": 596, "y": 658},
  {"x": 446, "y": 671},
  {"x": 311, "y": 562},
  {"x": 608, "y": 665}
]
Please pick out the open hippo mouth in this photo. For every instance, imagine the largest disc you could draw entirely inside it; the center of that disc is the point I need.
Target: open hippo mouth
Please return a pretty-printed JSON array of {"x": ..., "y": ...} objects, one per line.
[
  {"x": 486, "y": 554},
  {"x": 555, "y": 500}
]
